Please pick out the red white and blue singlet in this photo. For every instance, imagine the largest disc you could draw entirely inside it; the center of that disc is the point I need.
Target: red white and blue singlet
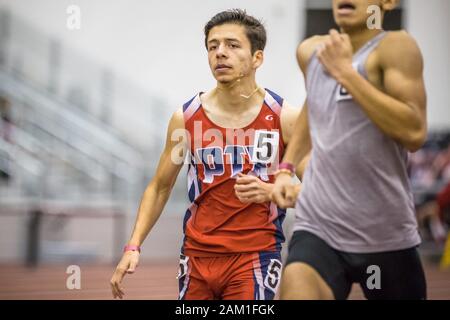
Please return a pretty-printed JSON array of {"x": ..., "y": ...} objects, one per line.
[{"x": 217, "y": 223}]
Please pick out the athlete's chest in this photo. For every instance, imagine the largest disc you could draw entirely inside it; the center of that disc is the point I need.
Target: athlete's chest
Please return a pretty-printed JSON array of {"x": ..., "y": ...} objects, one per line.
[
  {"x": 324, "y": 91},
  {"x": 224, "y": 152},
  {"x": 229, "y": 119}
]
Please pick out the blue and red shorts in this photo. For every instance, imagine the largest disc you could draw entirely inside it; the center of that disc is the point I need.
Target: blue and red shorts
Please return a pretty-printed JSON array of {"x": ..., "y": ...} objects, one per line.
[{"x": 246, "y": 276}]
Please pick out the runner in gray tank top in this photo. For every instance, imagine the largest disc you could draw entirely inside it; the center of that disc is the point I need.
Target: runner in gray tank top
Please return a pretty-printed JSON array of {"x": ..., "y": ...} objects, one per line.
[{"x": 355, "y": 218}]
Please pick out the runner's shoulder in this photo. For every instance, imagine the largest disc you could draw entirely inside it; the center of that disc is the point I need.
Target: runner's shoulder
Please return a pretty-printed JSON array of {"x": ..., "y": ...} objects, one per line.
[
  {"x": 176, "y": 120},
  {"x": 398, "y": 45},
  {"x": 306, "y": 49}
]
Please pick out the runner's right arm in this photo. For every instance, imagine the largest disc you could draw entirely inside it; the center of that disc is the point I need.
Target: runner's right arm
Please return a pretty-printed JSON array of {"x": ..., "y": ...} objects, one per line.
[{"x": 158, "y": 190}]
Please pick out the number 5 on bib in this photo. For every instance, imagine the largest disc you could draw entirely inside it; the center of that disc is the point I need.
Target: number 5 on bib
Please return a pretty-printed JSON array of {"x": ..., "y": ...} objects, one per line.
[{"x": 265, "y": 146}]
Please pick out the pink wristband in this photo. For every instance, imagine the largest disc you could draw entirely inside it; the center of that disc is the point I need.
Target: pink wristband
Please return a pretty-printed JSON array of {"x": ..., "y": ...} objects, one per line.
[
  {"x": 286, "y": 165},
  {"x": 132, "y": 248}
]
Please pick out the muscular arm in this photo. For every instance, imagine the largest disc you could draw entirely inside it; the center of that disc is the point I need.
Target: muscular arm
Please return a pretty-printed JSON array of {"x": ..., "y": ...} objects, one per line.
[
  {"x": 289, "y": 116},
  {"x": 400, "y": 111},
  {"x": 158, "y": 190}
]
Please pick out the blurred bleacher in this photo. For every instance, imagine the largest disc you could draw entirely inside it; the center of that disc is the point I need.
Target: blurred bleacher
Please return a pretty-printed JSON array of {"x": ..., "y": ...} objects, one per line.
[{"x": 76, "y": 139}]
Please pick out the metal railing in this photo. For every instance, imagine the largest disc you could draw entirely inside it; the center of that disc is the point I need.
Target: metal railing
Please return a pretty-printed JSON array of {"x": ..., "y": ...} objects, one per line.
[{"x": 70, "y": 112}]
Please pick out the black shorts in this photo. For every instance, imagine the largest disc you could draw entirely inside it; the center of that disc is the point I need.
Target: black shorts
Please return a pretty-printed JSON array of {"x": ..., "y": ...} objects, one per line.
[{"x": 384, "y": 275}]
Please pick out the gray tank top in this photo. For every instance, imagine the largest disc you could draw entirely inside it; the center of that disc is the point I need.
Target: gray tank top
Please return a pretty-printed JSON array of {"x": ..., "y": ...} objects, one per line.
[{"x": 356, "y": 194}]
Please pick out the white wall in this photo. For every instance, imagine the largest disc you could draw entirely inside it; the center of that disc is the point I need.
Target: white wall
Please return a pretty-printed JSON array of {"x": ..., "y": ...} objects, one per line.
[{"x": 429, "y": 23}]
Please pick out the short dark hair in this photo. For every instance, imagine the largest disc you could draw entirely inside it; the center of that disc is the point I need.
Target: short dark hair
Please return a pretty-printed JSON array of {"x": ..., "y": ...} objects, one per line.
[{"x": 254, "y": 29}]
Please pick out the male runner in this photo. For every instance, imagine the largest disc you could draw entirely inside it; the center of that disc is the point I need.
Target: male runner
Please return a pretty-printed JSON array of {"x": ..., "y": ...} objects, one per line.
[
  {"x": 366, "y": 107},
  {"x": 231, "y": 249}
]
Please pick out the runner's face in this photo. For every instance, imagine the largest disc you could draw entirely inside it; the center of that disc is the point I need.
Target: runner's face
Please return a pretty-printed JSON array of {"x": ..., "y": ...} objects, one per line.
[
  {"x": 229, "y": 53},
  {"x": 349, "y": 14}
]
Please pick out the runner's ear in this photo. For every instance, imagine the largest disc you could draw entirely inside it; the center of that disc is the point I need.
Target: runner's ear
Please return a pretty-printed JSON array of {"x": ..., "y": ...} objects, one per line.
[{"x": 258, "y": 58}]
